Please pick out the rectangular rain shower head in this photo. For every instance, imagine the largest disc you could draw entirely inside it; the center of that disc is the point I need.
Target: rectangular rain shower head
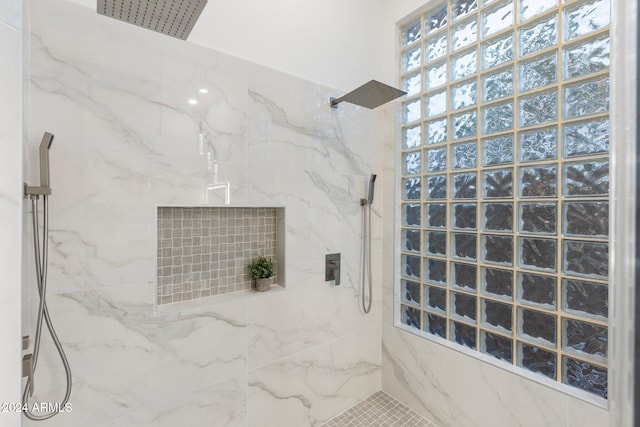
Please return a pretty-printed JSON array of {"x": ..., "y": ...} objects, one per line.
[
  {"x": 174, "y": 18},
  {"x": 370, "y": 95}
]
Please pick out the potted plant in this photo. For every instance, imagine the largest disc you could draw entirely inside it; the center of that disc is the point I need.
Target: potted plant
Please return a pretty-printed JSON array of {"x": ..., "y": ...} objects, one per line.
[{"x": 262, "y": 269}]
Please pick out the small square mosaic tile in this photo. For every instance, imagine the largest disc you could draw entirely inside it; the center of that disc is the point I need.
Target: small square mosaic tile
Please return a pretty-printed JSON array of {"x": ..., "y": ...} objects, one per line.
[
  {"x": 381, "y": 410},
  {"x": 205, "y": 251}
]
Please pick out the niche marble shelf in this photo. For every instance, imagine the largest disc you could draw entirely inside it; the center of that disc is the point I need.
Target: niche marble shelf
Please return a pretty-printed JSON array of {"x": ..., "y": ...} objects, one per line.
[{"x": 203, "y": 251}]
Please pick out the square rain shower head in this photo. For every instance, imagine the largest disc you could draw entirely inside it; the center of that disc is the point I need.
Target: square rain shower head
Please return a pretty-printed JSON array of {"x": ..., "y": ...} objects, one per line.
[
  {"x": 370, "y": 95},
  {"x": 174, "y": 18}
]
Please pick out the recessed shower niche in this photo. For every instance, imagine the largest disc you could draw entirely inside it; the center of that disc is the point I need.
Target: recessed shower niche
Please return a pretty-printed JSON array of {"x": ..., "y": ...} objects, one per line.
[{"x": 204, "y": 251}]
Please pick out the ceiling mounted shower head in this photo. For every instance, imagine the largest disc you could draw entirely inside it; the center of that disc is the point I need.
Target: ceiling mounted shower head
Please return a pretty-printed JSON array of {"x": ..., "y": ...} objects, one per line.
[
  {"x": 370, "y": 95},
  {"x": 174, "y": 18}
]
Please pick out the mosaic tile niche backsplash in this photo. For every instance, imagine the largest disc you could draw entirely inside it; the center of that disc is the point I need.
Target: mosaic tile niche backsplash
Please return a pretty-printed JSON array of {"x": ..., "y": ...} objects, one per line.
[{"x": 205, "y": 251}]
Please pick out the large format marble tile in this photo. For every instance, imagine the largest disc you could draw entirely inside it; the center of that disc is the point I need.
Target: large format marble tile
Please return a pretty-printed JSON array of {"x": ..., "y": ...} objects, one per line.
[
  {"x": 223, "y": 405},
  {"x": 317, "y": 384},
  {"x": 452, "y": 389},
  {"x": 123, "y": 357}
]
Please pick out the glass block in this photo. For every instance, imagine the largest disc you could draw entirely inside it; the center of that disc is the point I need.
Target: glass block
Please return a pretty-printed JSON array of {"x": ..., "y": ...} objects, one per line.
[
  {"x": 435, "y": 271},
  {"x": 436, "y": 47},
  {"x": 586, "y": 178},
  {"x": 586, "y": 57},
  {"x": 497, "y": 249},
  {"x": 411, "y": 240},
  {"x": 411, "y": 188},
  {"x": 411, "y": 111},
  {"x": 464, "y": 246},
  {"x": 539, "y": 35},
  {"x": 411, "y": 215},
  {"x": 538, "y": 72},
  {"x": 497, "y": 315},
  {"x": 586, "y": 138},
  {"x": 462, "y": 8},
  {"x": 464, "y": 95},
  {"x": 497, "y": 283},
  {"x": 586, "y": 219},
  {"x": 584, "y": 98},
  {"x": 538, "y": 218},
  {"x": 411, "y": 59},
  {"x": 583, "y": 375},
  {"x": 497, "y": 18},
  {"x": 464, "y": 275},
  {"x": 437, "y": 131},
  {"x": 497, "y": 85},
  {"x": 436, "y": 214},
  {"x": 497, "y": 52},
  {"x": 539, "y": 145},
  {"x": 410, "y": 292},
  {"x": 411, "y": 84},
  {"x": 497, "y": 216},
  {"x": 538, "y": 181},
  {"x": 410, "y": 316},
  {"x": 464, "y": 34},
  {"x": 463, "y": 334},
  {"x": 586, "y": 17},
  {"x": 464, "y": 125},
  {"x": 540, "y": 108},
  {"x": 497, "y": 118},
  {"x": 537, "y": 290},
  {"x": 435, "y": 242},
  {"x": 497, "y": 151},
  {"x": 464, "y": 306},
  {"x": 435, "y": 325},
  {"x": 436, "y": 159},
  {"x": 464, "y": 64},
  {"x": 538, "y": 254},
  {"x": 411, "y": 137},
  {"x": 411, "y": 267},
  {"x": 537, "y": 360},
  {"x": 497, "y": 346},
  {"x": 411, "y": 33},
  {"x": 436, "y": 187},
  {"x": 585, "y": 337},
  {"x": 580, "y": 297},
  {"x": 498, "y": 184},
  {"x": 531, "y": 8},
  {"x": 589, "y": 259},
  {"x": 436, "y": 75},
  {"x": 464, "y": 216},
  {"x": 464, "y": 186},
  {"x": 536, "y": 325},
  {"x": 436, "y": 19},
  {"x": 436, "y": 104},
  {"x": 435, "y": 298},
  {"x": 465, "y": 155},
  {"x": 411, "y": 163}
]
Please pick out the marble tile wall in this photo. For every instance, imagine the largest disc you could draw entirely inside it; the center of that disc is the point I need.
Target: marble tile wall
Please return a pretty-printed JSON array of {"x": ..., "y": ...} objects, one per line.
[
  {"x": 10, "y": 204},
  {"x": 127, "y": 140}
]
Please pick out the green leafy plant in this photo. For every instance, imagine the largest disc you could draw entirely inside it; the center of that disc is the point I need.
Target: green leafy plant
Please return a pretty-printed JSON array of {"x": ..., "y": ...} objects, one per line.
[{"x": 262, "y": 268}]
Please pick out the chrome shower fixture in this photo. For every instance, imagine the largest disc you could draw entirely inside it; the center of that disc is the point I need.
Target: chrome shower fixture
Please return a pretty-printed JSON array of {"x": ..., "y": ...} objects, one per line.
[
  {"x": 45, "y": 187},
  {"x": 370, "y": 191},
  {"x": 370, "y": 95},
  {"x": 174, "y": 18}
]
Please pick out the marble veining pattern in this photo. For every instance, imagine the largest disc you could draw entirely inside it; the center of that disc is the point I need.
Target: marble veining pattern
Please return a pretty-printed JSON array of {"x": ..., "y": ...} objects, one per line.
[{"x": 115, "y": 96}]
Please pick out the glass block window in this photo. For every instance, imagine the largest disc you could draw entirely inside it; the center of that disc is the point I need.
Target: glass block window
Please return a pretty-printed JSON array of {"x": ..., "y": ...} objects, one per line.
[{"x": 505, "y": 183}]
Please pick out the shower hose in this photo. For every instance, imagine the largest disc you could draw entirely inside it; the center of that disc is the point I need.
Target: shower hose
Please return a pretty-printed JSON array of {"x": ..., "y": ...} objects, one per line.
[
  {"x": 41, "y": 258},
  {"x": 366, "y": 257}
]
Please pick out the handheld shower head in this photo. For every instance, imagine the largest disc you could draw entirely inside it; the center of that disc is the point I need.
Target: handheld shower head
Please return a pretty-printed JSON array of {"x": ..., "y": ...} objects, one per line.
[
  {"x": 45, "y": 145},
  {"x": 372, "y": 186}
]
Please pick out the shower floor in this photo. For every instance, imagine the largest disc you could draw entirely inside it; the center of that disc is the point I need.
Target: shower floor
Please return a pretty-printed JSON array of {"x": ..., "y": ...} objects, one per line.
[{"x": 379, "y": 409}]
